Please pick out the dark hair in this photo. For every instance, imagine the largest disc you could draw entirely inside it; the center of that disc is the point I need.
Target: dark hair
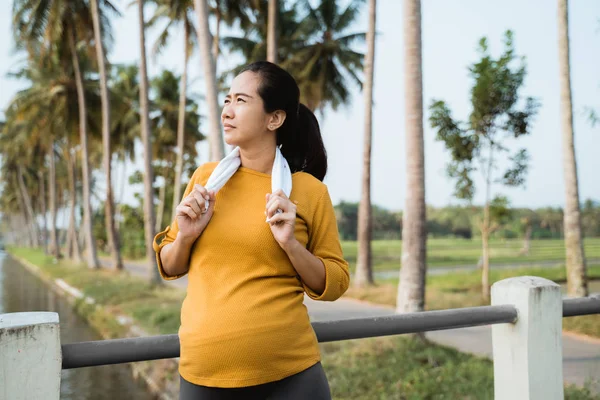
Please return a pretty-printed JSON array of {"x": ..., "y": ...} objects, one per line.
[{"x": 300, "y": 136}]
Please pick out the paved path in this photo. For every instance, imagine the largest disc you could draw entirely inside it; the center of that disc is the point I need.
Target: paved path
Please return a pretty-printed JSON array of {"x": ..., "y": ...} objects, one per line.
[{"x": 581, "y": 357}]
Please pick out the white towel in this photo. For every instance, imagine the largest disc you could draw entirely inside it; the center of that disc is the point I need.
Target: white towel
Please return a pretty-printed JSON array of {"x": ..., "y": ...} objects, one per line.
[{"x": 281, "y": 176}]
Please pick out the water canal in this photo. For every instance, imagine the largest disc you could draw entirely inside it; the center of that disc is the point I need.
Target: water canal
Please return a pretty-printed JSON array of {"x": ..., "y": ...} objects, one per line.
[{"x": 22, "y": 291}]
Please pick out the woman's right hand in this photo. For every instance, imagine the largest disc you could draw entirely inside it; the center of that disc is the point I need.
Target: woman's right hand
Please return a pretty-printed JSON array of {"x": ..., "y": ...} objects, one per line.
[{"x": 192, "y": 217}]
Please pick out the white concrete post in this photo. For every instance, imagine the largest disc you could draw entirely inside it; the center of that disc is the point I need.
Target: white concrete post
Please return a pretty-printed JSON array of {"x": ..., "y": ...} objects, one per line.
[
  {"x": 30, "y": 356},
  {"x": 528, "y": 353}
]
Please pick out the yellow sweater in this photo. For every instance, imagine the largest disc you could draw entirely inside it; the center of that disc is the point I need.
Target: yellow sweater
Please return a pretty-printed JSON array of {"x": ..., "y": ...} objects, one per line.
[{"x": 243, "y": 321}]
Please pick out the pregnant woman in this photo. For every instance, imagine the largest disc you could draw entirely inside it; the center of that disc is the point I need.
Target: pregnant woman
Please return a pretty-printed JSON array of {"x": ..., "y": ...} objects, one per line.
[{"x": 255, "y": 232}]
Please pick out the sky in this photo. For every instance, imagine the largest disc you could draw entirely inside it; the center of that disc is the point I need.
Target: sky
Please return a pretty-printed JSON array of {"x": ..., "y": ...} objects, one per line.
[{"x": 450, "y": 33}]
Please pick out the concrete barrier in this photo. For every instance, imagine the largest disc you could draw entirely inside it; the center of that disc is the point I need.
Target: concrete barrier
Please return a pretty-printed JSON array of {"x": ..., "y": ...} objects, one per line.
[
  {"x": 30, "y": 356},
  {"x": 528, "y": 353}
]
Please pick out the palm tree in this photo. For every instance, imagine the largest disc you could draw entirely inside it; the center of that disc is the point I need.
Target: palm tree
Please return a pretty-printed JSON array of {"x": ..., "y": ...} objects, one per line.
[
  {"x": 411, "y": 289},
  {"x": 326, "y": 60},
  {"x": 54, "y": 243},
  {"x": 125, "y": 89},
  {"x": 91, "y": 256},
  {"x": 52, "y": 29},
  {"x": 33, "y": 119},
  {"x": 272, "y": 35},
  {"x": 43, "y": 209},
  {"x": 217, "y": 147},
  {"x": 48, "y": 106},
  {"x": 16, "y": 146},
  {"x": 313, "y": 46},
  {"x": 165, "y": 125},
  {"x": 73, "y": 249},
  {"x": 177, "y": 11},
  {"x": 29, "y": 213},
  {"x": 231, "y": 11},
  {"x": 575, "y": 256},
  {"x": 11, "y": 204},
  {"x": 252, "y": 46},
  {"x": 147, "y": 146},
  {"x": 111, "y": 231},
  {"x": 364, "y": 267}
]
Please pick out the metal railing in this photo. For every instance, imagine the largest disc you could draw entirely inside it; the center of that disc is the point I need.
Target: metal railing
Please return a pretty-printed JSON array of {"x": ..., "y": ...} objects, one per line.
[{"x": 116, "y": 351}]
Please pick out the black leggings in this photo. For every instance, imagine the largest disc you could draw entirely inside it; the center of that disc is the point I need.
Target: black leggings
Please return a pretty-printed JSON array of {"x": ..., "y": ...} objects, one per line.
[{"x": 308, "y": 384}]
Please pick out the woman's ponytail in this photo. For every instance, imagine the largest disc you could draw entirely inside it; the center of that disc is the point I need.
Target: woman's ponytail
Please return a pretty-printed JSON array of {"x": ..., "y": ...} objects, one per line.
[{"x": 303, "y": 146}]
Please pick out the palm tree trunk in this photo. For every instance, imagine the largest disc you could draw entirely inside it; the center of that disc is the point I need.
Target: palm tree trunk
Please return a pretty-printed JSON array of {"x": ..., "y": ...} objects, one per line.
[
  {"x": 80, "y": 237},
  {"x": 24, "y": 225},
  {"x": 154, "y": 275},
  {"x": 215, "y": 43},
  {"x": 54, "y": 243},
  {"x": 181, "y": 126},
  {"x": 109, "y": 209},
  {"x": 120, "y": 203},
  {"x": 77, "y": 254},
  {"x": 91, "y": 257},
  {"x": 28, "y": 230},
  {"x": 411, "y": 289},
  {"x": 272, "y": 32},
  {"x": 23, "y": 235},
  {"x": 16, "y": 234},
  {"x": 575, "y": 256},
  {"x": 161, "y": 205},
  {"x": 364, "y": 265},
  {"x": 44, "y": 211},
  {"x": 217, "y": 148},
  {"x": 29, "y": 209},
  {"x": 69, "y": 241},
  {"x": 72, "y": 239}
]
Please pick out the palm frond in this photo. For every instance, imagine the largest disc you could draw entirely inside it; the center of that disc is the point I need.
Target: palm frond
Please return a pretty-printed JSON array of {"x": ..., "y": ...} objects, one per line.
[
  {"x": 349, "y": 15},
  {"x": 349, "y": 40},
  {"x": 241, "y": 45},
  {"x": 108, "y": 6},
  {"x": 328, "y": 13},
  {"x": 161, "y": 41}
]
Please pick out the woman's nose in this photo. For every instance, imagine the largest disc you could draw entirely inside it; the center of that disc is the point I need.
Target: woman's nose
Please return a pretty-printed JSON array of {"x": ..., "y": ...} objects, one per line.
[{"x": 227, "y": 112}]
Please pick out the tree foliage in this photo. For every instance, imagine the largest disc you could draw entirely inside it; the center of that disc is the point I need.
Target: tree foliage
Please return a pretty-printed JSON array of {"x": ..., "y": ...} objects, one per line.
[{"x": 497, "y": 115}]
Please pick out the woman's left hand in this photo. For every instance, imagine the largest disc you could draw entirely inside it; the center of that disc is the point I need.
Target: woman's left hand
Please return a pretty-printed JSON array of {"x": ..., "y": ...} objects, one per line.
[{"x": 282, "y": 223}]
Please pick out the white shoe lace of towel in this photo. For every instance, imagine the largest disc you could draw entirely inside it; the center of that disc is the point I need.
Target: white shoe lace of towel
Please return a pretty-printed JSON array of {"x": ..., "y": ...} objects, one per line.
[{"x": 281, "y": 176}]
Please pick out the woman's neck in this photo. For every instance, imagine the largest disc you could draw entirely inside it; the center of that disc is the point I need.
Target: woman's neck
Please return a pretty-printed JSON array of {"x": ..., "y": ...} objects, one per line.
[{"x": 259, "y": 158}]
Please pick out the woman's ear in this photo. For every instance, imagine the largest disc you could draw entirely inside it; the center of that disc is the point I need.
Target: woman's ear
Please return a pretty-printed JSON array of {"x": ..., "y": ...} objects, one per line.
[{"x": 276, "y": 119}]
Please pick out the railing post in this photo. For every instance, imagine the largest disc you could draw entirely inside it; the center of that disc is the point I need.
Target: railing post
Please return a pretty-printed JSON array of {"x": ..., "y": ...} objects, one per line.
[
  {"x": 30, "y": 356},
  {"x": 528, "y": 353}
]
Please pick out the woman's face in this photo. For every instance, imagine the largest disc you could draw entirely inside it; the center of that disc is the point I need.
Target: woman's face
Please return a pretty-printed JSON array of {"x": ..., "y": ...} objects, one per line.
[{"x": 243, "y": 117}]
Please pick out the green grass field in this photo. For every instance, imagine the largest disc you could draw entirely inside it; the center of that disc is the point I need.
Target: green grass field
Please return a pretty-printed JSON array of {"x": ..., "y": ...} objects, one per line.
[
  {"x": 461, "y": 252},
  {"x": 463, "y": 289},
  {"x": 396, "y": 367}
]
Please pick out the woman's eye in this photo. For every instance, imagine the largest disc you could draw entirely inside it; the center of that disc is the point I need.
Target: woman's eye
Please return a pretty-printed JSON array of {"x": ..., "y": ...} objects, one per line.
[
  {"x": 226, "y": 101},
  {"x": 240, "y": 99}
]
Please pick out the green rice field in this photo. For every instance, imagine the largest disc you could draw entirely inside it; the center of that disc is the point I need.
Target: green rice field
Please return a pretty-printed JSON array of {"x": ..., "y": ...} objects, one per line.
[{"x": 466, "y": 252}]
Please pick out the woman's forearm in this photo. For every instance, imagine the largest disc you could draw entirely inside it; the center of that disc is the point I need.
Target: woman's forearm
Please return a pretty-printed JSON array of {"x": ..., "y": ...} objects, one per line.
[
  {"x": 310, "y": 268},
  {"x": 175, "y": 257}
]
